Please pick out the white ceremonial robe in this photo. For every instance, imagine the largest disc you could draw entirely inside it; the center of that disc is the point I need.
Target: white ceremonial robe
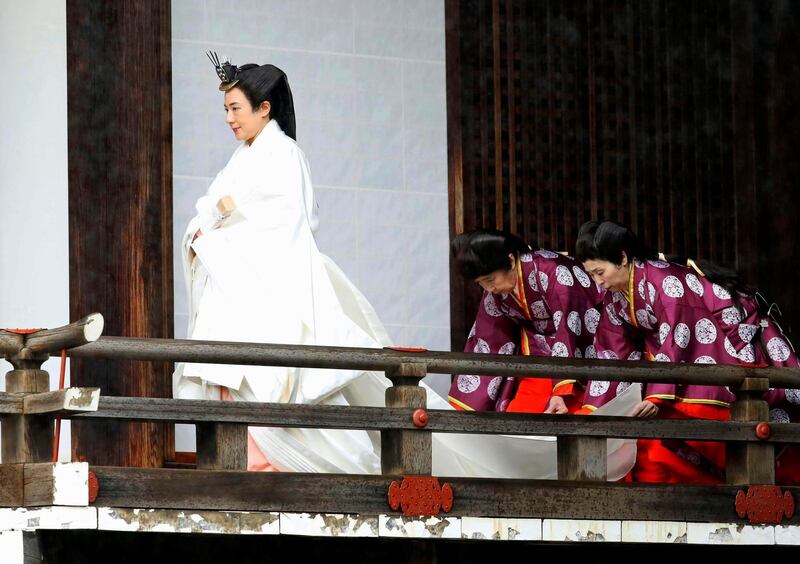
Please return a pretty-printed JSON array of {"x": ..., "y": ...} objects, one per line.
[{"x": 257, "y": 276}]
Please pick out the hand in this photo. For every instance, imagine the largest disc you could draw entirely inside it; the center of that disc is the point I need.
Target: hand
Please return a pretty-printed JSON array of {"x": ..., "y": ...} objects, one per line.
[
  {"x": 645, "y": 409},
  {"x": 196, "y": 235},
  {"x": 226, "y": 206},
  {"x": 557, "y": 406}
]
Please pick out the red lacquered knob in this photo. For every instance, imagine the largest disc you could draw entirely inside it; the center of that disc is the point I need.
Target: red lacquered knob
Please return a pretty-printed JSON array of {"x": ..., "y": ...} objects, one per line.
[
  {"x": 94, "y": 487},
  {"x": 420, "y": 417},
  {"x": 763, "y": 431}
]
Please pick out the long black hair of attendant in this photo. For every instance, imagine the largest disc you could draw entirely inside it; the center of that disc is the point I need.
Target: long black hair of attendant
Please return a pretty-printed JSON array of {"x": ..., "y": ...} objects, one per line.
[
  {"x": 607, "y": 240},
  {"x": 481, "y": 252}
]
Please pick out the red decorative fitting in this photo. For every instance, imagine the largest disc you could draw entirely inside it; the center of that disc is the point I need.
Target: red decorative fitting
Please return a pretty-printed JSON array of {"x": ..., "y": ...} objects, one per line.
[
  {"x": 420, "y": 417},
  {"x": 763, "y": 430},
  {"x": 23, "y": 331},
  {"x": 764, "y": 505},
  {"x": 407, "y": 349},
  {"x": 420, "y": 495},
  {"x": 94, "y": 487}
]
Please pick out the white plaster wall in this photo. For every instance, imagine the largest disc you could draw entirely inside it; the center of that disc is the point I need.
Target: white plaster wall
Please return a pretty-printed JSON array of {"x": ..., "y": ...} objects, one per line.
[
  {"x": 34, "y": 276},
  {"x": 368, "y": 79}
]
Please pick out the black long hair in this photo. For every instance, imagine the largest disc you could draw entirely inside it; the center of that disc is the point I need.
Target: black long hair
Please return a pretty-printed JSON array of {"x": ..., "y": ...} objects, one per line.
[
  {"x": 481, "y": 252},
  {"x": 607, "y": 240},
  {"x": 268, "y": 83}
]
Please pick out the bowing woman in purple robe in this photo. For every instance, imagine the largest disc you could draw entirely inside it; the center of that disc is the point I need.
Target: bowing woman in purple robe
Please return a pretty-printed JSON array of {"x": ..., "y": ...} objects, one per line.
[
  {"x": 666, "y": 312},
  {"x": 537, "y": 303}
]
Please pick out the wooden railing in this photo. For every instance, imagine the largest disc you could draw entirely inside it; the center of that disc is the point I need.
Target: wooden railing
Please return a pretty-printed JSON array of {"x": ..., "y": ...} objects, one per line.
[{"x": 220, "y": 481}]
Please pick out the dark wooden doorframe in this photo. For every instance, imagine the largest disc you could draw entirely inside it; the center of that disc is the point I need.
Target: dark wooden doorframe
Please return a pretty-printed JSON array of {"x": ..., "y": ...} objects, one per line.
[{"x": 119, "y": 68}]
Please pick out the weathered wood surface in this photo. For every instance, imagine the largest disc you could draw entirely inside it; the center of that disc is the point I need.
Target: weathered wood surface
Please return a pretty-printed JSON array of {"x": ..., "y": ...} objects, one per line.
[
  {"x": 68, "y": 400},
  {"x": 366, "y": 494},
  {"x": 11, "y": 485},
  {"x": 10, "y": 343},
  {"x": 50, "y": 483},
  {"x": 27, "y": 438},
  {"x": 377, "y": 418},
  {"x": 219, "y": 352},
  {"x": 86, "y": 330},
  {"x": 11, "y": 404},
  {"x": 582, "y": 458},
  {"x": 221, "y": 446},
  {"x": 406, "y": 451},
  {"x": 750, "y": 463}
]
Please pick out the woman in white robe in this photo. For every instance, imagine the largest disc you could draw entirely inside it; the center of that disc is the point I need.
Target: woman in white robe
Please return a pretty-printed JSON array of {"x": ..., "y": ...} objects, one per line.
[{"x": 254, "y": 274}]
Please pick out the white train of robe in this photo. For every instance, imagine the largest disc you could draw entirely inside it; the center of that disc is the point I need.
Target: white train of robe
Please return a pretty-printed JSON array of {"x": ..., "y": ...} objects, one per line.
[{"x": 259, "y": 277}]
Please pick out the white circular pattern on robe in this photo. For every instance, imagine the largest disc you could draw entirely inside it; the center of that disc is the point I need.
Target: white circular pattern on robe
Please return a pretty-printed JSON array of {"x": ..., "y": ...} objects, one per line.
[
  {"x": 590, "y": 352},
  {"x": 564, "y": 276},
  {"x": 643, "y": 318},
  {"x": 481, "y": 347},
  {"x": 557, "y": 319},
  {"x": 574, "y": 322},
  {"x": 721, "y": 292},
  {"x": 560, "y": 349},
  {"x": 747, "y": 354},
  {"x": 526, "y": 257},
  {"x": 731, "y": 316},
  {"x": 598, "y": 387},
  {"x": 532, "y": 281},
  {"x": 607, "y": 355},
  {"x": 663, "y": 331},
  {"x": 538, "y": 310},
  {"x": 778, "y": 350},
  {"x": 591, "y": 318},
  {"x": 508, "y": 348},
  {"x": 547, "y": 254},
  {"x": 705, "y": 359},
  {"x": 694, "y": 284},
  {"x": 622, "y": 386},
  {"x": 635, "y": 355},
  {"x": 672, "y": 287},
  {"x": 729, "y": 348},
  {"x": 705, "y": 332},
  {"x": 494, "y": 386},
  {"x": 682, "y": 335},
  {"x": 778, "y": 415},
  {"x": 747, "y": 331},
  {"x": 491, "y": 306},
  {"x": 503, "y": 405},
  {"x": 467, "y": 383},
  {"x": 793, "y": 395},
  {"x": 661, "y": 357},
  {"x": 541, "y": 341},
  {"x": 641, "y": 289},
  {"x": 540, "y": 326},
  {"x": 612, "y": 315},
  {"x": 472, "y": 331},
  {"x": 543, "y": 280},
  {"x": 658, "y": 263},
  {"x": 651, "y": 291},
  {"x": 582, "y": 277}
]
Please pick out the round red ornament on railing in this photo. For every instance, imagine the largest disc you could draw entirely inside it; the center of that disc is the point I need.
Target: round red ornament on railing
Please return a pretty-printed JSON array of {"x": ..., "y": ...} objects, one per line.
[
  {"x": 763, "y": 431},
  {"x": 420, "y": 417}
]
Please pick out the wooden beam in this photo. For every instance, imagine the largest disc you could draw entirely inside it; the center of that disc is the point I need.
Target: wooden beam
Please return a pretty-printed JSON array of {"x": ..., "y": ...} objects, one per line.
[
  {"x": 11, "y": 404},
  {"x": 337, "y": 493},
  {"x": 11, "y": 485},
  {"x": 10, "y": 343},
  {"x": 378, "y": 418},
  {"x": 27, "y": 438},
  {"x": 86, "y": 330},
  {"x": 582, "y": 459},
  {"x": 68, "y": 400},
  {"x": 56, "y": 484},
  {"x": 304, "y": 356},
  {"x": 750, "y": 463}
]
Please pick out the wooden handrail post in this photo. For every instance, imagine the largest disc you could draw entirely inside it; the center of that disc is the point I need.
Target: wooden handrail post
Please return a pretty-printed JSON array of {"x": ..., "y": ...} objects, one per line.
[
  {"x": 750, "y": 463},
  {"x": 27, "y": 438},
  {"x": 406, "y": 452},
  {"x": 221, "y": 446},
  {"x": 582, "y": 458}
]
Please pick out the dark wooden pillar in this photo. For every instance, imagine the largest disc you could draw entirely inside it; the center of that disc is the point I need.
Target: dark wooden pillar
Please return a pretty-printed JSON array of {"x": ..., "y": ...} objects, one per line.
[{"x": 120, "y": 208}]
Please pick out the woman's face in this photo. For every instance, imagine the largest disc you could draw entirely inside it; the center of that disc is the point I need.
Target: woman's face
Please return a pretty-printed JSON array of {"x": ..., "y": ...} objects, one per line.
[
  {"x": 609, "y": 275},
  {"x": 500, "y": 281},
  {"x": 240, "y": 116}
]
